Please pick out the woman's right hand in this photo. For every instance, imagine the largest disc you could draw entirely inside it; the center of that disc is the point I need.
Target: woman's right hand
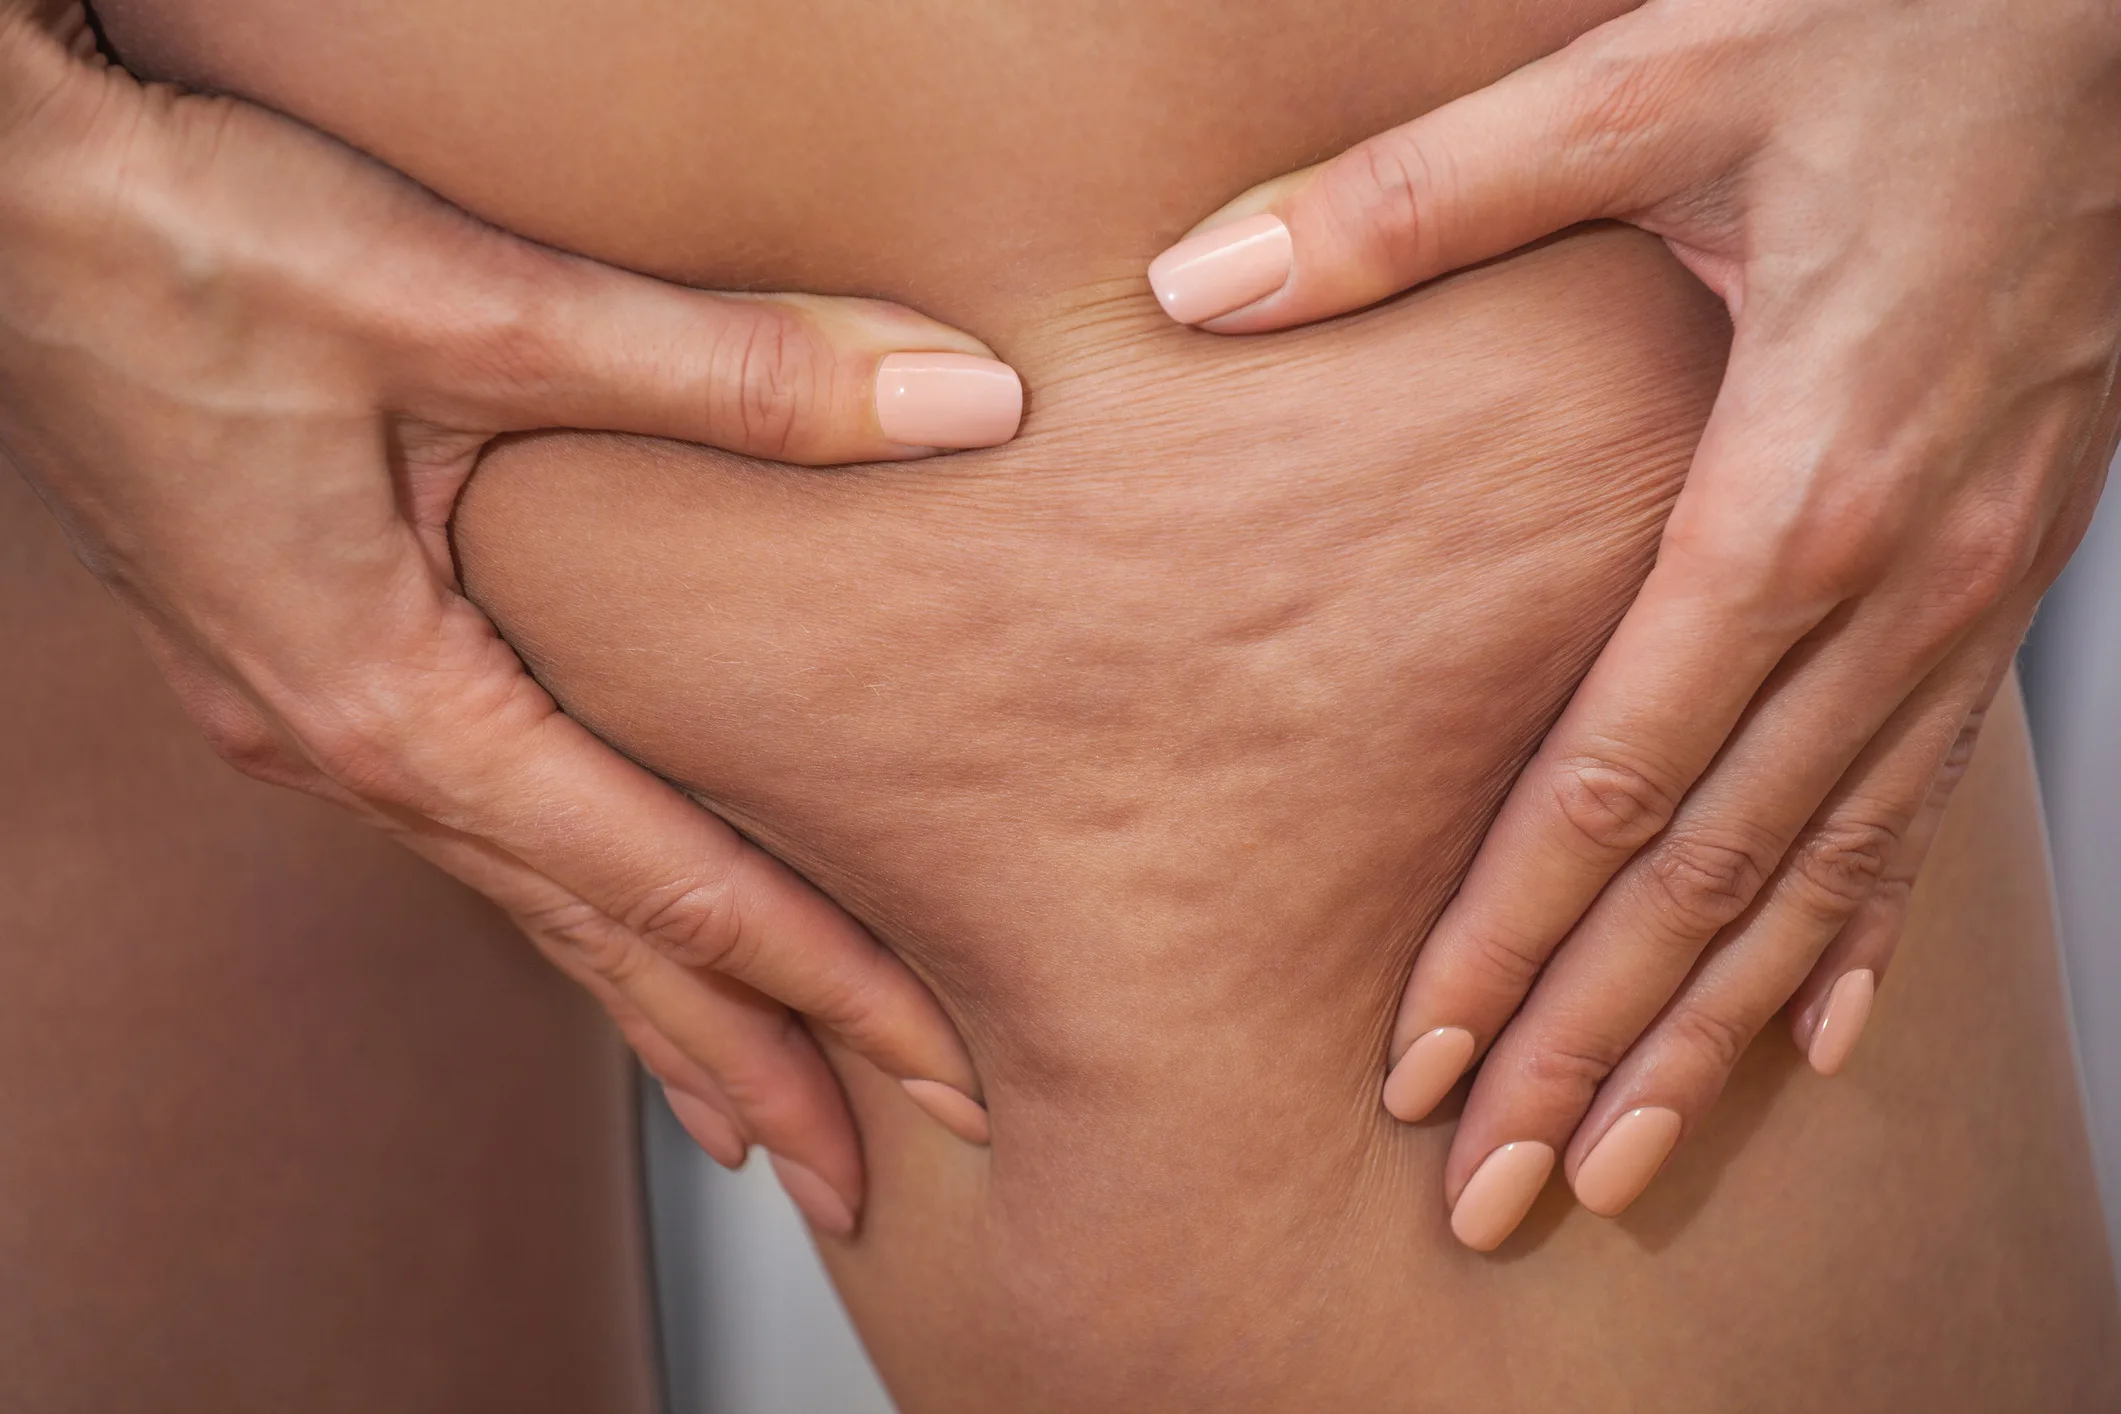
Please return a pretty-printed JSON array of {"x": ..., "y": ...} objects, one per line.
[{"x": 250, "y": 370}]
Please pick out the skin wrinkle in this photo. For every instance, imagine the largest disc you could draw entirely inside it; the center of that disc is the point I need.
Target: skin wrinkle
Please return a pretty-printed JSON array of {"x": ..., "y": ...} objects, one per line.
[
  {"x": 1131, "y": 544},
  {"x": 1128, "y": 737},
  {"x": 1153, "y": 739},
  {"x": 1153, "y": 751}
]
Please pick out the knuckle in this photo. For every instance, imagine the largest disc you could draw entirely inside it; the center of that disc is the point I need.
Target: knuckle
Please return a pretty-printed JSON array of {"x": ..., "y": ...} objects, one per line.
[
  {"x": 1387, "y": 196},
  {"x": 1828, "y": 547},
  {"x": 1618, "y": 99},
  {"x": 768, "y": 373},
  {"x": 1982, "y": 563},
  {"x": 1842, "y": 862},
  {"x": 1566, "y": 1074},
  {"x": 1828, "y": 537},
  {"x": 600, "y": 945},
  {"x": 1711, "y": 1034},
  {"x": 1824, "y": 564},
  {"x": 1700, "y": 882},
  {"x": 697, "y": 922},
  {"x": 1958, "y": 757},
  {"x": 394, "y": 730},
  {"x": 1613, "y": 808},
  {"x": 1503, "y": 963},
  {"x": 234, "y": 728},
  {"x": 359, "y": 739},
  {"x": 240, "y": 735}
]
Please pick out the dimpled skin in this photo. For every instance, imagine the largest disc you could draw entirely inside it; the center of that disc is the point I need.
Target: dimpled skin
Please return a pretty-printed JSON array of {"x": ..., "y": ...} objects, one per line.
[{"x": 1155, "y": 738}]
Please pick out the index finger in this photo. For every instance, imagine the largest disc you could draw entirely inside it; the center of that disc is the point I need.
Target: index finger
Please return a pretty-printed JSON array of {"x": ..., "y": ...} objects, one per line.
[{"x": 1589, "y": 131}]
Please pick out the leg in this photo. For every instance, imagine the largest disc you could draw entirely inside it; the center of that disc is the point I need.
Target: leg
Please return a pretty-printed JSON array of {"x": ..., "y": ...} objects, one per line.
[
  {"x": 287, "y": 1119},
  {"x": 1156, "y": 739}
]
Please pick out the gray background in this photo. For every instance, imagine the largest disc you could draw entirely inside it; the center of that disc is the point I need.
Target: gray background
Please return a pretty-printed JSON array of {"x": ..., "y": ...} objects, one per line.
[{"x": 750, "y": 1325}]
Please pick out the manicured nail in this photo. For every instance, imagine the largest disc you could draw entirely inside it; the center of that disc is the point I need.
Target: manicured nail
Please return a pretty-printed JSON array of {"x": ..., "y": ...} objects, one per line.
[
  {"x": 1426, "y": 1073},
  {"x": 709, "y": 1127},
  {"x": 825, "y": 1208},
  {"x": 1841, "y": 1020},
  {"x": 1500, "y": 1193},
  {"x": 1224, "y": 269},
  {"x": 947, "y": 400},
  {"x": 951, "y": 1108},
  {"x": 1621, "y": 1164}
]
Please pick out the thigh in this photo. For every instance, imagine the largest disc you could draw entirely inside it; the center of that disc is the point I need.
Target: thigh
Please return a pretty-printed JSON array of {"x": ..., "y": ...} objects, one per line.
[
  {"x": 287, "y": 1119},
  {"x": 1155, "y": 741}
]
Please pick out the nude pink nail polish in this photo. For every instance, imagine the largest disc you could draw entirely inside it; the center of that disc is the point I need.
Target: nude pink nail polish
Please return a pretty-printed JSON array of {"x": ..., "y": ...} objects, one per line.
[
  {"x": 1848, "y": 1007},
  {"x": 1223, "y": 269},
  {"x": 951, "y": 1108},
  {"x": 814, "y": 1197},
  {"x": 709, "y": 1127},
  {"x": 1426, "y": 1073},
  {"x": 1501, "y": 1191},
  {"x": 1622, "y": 1163},
  {"x": 947, "y": 400}
]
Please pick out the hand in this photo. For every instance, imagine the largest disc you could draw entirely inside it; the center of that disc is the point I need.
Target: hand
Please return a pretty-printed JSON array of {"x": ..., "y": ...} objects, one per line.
[
  {"x": 250, "y": 371},
  {"x": 1913, "y": 213}
]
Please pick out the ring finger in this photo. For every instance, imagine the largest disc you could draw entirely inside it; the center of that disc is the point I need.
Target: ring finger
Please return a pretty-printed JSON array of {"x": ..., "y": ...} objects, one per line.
[{"x": 1821, "y": 898}]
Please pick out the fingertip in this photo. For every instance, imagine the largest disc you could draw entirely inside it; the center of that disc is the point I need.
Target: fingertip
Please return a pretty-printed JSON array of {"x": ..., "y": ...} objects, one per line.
[
  {"x": 1421, "y": 1077},
  {"x": 1223, "y": 269},
  {"x": 1626, "y": 1158},
  {"x": 709, "y": 1128},
  {"x": 1841, "y": 1021},
  {"x": 943, "y": 401},
  {"x": 1500, "y": 1193},
  {"x": 952, "y": 1108},
  {"x": 828, "y": 1210}
]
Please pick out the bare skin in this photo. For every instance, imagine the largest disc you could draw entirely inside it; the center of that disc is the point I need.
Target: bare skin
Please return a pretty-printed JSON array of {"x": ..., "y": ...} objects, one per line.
[
  {"x": 1155, "y": 741},
  {"x": 1155, "y": 761},
  {"x": 288, "y": 1120}
]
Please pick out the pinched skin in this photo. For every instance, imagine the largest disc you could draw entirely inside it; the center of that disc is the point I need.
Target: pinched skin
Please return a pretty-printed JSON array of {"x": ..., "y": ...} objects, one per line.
[
  {"x": 1060, "y": 689},
  {"x": 1155, "y": 740}
]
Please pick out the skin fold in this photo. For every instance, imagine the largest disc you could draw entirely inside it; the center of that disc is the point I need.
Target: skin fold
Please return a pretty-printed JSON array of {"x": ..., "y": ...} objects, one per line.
[{"x": 1155, "y": 740}]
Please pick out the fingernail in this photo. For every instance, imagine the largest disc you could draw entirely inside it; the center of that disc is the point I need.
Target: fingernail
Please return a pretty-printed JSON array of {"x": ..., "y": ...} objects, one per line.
[
  {"x": 825, "y": 1208},
  {"x": 1426, "y": 1073},
  {"x": 1500, "y": 1193},
  {"x": 1841, "y": 1020},
  {"x": 709, "y": 1127},
  {"x": 951, "y": 1108},
  {"x": 1224, "y": 269},
  {"x": 1622, "y": 1164},
  {"x": 948, "y": 400}
]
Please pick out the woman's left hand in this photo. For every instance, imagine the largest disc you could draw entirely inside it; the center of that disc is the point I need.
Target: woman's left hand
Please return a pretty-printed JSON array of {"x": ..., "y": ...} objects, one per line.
[{"x": 1913, "y": 212}]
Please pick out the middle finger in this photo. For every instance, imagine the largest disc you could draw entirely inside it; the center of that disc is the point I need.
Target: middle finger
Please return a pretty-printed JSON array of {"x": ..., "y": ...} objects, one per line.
[{"x": 1641, "y": 939}]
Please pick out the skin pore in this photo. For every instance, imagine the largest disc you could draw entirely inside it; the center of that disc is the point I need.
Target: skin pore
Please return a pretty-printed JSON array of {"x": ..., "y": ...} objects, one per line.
[{"x": 1155, "y": 739}]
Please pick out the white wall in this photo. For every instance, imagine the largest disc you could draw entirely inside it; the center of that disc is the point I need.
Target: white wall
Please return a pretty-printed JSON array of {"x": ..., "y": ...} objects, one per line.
[
  {"x": 749, "y": 1323},
  {"x": 2073, "y": 688}
]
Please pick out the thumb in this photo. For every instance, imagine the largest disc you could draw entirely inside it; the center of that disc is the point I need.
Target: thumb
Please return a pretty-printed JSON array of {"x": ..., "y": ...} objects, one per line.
[
  {"x": 1575, "y": 136},
  {"x": 567, "y": 342}
]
